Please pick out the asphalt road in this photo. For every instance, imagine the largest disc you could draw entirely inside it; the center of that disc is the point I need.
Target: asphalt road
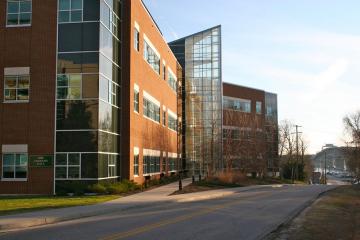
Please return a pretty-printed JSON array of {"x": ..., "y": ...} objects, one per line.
[{"x": 243, "y": 215}]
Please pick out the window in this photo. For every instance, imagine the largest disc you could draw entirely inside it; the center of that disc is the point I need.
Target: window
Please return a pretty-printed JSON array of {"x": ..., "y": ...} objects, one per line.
[
  {"x": 69, "y": 86},
  {"x": 152, "y": 57},
  {"x": 67, "y": 166},
  {"x": 16, "y": 84},
  {"x": 136, "y": 100},
  {"x": 172, "y": 122},
  {"x": 164, "y": 72},
  {"x": 109, "y": 18},
  {"x": 70, "y": 11},
  {"x": 108, "y": 91},
  {"x": 18, "y": 13},
  {"x": 151, "y": 109},
  {"x": 237, "y": 104},
  {"x": 112, "y": 166},
  {"x": 151, "y": 164},
  {"x": 163, "y": 167},
  {"x": 16, "y": 88},
  {"x": 172, "y": 164},
  {"x": 136, "y": 164},
  {"x": 258, "y": 107},
  {"x": 15, "y": 166},
  {"x": 136, "y": 39},
  {"x": 164, "y": 118},
  {"x": 172, "y": 81}
]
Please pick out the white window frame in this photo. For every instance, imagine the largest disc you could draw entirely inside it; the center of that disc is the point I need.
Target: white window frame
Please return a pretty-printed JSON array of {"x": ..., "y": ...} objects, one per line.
[
  {"x": 14, "y": 179},
  {"x": 17, "y": 72},
  {"x": 19, "y": 12},
  {"x": 71, "y": 10},
  {"x": 148, "y": 43},
  {"x": 67, "y": 166}
]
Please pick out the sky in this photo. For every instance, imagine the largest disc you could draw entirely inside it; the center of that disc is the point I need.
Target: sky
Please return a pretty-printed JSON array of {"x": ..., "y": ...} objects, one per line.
[{"x": 306, "y": 51}]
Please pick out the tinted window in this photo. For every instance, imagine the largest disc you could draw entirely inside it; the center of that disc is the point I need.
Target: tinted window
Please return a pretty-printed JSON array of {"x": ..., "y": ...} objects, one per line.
[
  {"x": 76, "y": 141},
  {"x": 108, "y": 142},
  {"x": 77, "y": 115},
  {"x": 89, "y": 165},
  {"x": 91, "y": 10},
  {"x": 78, "y": 62}
]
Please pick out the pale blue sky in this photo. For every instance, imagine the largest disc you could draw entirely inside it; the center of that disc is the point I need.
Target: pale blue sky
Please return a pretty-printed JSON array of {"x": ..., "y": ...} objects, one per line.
[{"x": 306, "y": 51}]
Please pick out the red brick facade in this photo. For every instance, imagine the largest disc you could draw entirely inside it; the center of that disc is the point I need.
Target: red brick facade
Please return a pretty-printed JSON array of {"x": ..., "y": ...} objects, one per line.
[{"x": 30, "y": 123}]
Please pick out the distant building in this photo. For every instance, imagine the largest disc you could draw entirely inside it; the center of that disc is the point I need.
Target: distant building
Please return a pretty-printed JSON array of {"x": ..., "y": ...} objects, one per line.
[
  {"x": 250, "y": 129},
  {"x": 335, "y": 157}
]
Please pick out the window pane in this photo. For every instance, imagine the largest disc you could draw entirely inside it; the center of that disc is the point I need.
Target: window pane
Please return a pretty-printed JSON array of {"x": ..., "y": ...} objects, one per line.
[
  {"x": 8, "y": 172},
  {"x": 89, "y": 165},
  {"x": 74, "y": 93},
  {"x": 64, "y": 5},
  {"x": 21, "y": 160},
  {"x": 75, "y": 80},
  {"x": 77, "y": 115},
  {"x": 23, "y": 94},
  {"x": 74, "y": 172},
  {"x": 76, "y": 16},
  {"x": 74, "y": 159},
  {"x": 24, "y": 82},
  {"x": 25, "y": 6},
  {"x": 62, "y": 80},
  {"x": 60, "y": 172},
  {"x": 13, "y": 7},
  {"x": 20, "y": 172},
  {"x": 61, "y": 159},
  {"x": 10, "y": 82},
  {"x": 8, "y": 159},
  {"x": 10, "y": 94},
  {"x": 64, "y": 16},
  {"x": 90, "y": 86},
  {"x": 25, "y": 18},
  {"x": 77, "y": 141},
  {"x": 76, "y": 4},
  {"x": 12, "y": 19},
  {"x": 62, "y": 93}
]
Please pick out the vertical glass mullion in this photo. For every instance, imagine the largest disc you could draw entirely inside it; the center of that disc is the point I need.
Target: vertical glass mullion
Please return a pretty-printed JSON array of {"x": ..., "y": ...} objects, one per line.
[{"x": 67, "y": 166}]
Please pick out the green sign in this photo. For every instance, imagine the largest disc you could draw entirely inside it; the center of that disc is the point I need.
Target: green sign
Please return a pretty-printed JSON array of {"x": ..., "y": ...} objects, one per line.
[{"x": 41, "y": 161}]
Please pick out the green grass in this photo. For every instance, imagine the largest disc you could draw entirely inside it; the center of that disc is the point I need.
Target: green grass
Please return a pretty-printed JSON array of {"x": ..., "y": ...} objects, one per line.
[{"x": 13, "y": 205}]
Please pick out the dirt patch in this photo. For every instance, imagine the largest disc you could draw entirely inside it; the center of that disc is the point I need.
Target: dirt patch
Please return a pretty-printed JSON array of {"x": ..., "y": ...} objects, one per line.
[{"x": 334, "y": 216}]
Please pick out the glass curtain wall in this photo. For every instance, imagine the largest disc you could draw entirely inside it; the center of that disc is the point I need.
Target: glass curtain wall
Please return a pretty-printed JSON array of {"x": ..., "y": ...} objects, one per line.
[
  {"x": 271, "y": 129},
  {"x": 200, "y": 56},
  {"x": 88, "y": 89}
]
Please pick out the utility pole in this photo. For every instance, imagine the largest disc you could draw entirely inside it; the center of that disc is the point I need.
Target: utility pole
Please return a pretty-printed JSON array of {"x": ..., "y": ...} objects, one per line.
[{"x": 297, "y": 151}]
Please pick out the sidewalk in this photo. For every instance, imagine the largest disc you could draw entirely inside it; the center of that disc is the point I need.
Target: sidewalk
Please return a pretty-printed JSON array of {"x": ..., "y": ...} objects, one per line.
[{"x": 152, "y": 197}]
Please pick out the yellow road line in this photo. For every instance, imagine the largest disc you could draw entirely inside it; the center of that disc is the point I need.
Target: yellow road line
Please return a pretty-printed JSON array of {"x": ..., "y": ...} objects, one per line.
[{"x": 153, "y": 226}]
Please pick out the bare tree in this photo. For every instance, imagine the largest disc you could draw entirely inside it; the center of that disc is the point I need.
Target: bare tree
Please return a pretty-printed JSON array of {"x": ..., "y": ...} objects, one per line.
[{"x": 352, "y": 128}]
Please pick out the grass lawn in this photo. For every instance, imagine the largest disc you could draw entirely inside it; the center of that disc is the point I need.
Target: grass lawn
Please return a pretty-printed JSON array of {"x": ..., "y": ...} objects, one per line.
[
  {"x": 19, "y": 204},
  {"x": 334, "y": 216}
]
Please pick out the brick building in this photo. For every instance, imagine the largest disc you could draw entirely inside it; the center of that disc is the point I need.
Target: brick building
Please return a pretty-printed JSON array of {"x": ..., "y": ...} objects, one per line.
[
  {"x": 249, "y": 129},
  {"x": 88, "y": 93}
]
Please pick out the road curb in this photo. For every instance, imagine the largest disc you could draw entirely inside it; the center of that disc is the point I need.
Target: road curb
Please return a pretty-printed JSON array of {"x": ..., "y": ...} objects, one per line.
[
  {"x": 42, "y": 221},
  {"x": 273, "y": 231}
]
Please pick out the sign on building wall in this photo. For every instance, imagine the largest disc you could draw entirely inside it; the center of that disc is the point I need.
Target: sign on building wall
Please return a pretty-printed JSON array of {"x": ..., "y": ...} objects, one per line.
[{"x": 41, "y": 161}]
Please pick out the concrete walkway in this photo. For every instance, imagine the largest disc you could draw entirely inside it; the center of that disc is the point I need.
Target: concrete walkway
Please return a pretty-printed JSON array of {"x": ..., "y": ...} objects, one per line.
[{"x": 157, "y": 196}]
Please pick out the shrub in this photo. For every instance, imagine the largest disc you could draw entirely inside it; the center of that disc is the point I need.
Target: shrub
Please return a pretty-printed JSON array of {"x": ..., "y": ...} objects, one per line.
[
  {"x": 230, "y": 177},
  {"x": 97, "y": 188},
  {"x": 118, "y": 188}
]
